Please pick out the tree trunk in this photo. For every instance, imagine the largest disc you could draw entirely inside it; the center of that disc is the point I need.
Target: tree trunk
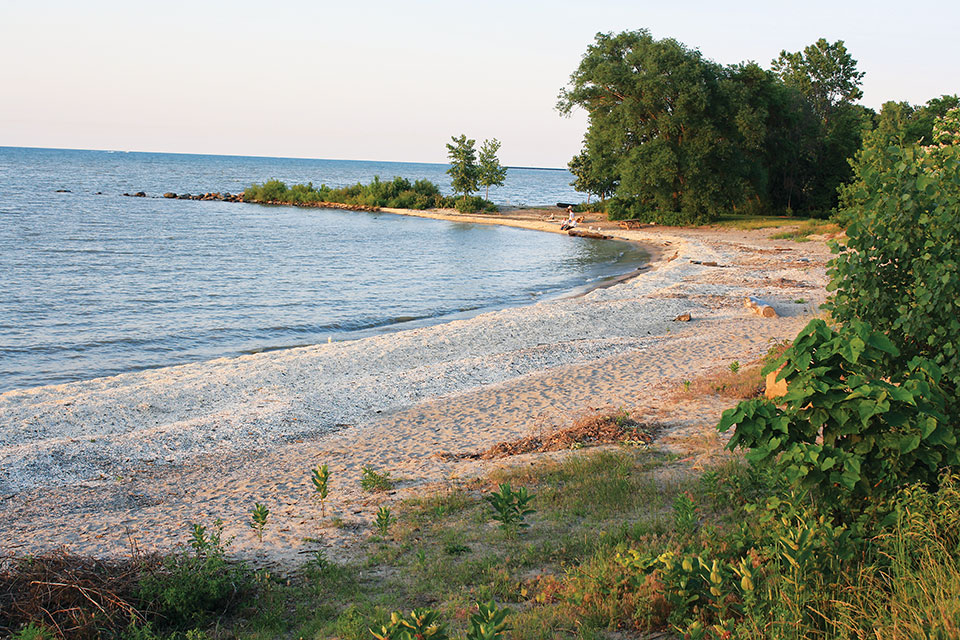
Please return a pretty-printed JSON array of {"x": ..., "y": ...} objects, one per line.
[{"x": 760, "y": 307}]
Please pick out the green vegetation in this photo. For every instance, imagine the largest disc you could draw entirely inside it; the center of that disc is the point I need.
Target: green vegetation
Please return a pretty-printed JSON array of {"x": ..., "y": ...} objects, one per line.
[
  {"x": 510, "y": 507},
  {"x": 320, "y": 478},
  {"x": 372, "y": 480},
  {"x": 399, "y": 193},
  {"x": 463, "y": 170},
  {"x": 384, "y": 520},
  {"x": 678, "y": 139},
  {"x": 489, "y": 169},
  {"x": 258, "y": 520},
  {"x": 466, "y": 174}
]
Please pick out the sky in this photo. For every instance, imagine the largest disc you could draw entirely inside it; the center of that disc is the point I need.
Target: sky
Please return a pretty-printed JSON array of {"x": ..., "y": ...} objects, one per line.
[{"x": 371, "y": 80}]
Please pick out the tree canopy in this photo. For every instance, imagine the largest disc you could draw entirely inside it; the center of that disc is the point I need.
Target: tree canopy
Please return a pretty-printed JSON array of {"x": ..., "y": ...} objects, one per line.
[
  {"x": 490, "y": 171},
  {"x": 679, "y": 138},
  {"x": 463, "y": 170}
]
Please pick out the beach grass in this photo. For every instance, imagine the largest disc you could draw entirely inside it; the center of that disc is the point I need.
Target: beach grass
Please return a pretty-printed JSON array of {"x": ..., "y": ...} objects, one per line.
[{"x": 598, "y": 561}]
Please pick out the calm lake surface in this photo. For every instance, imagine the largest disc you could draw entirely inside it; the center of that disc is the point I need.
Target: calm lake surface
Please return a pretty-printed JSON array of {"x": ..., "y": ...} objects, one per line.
[{"x": 98, "y": 284}]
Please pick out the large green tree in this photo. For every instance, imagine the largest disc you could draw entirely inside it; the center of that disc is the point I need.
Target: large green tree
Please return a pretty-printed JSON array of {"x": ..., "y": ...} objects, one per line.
[
  {"x": 464, "y": 172},
  {"x": 667, "y": 127},
  {"x": 491, "y": 172},
  {"x": 825, "y": 125}
]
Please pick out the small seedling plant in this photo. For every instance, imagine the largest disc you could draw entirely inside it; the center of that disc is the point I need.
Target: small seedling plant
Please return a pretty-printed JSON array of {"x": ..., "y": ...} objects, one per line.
[
  {"x": 510, "y": 507},
  {"x": 420, "y": 624},
  {"x": 258, "y": 519},
  {"x": 488, "y": 623},
  {"x": 371, "y": 480},
  {"x": 734, "y": 366},
  {"x": 320, "y": 479},
  {"x": 384, "y": 520}
]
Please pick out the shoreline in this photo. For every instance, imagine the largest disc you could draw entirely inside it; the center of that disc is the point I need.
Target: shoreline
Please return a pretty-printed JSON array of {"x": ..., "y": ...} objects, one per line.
[{"x": 150, "y": 452}]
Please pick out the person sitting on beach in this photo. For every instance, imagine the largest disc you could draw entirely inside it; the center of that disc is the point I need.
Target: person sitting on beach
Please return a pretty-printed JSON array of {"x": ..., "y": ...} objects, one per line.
[{"x": 570, "y": 222}]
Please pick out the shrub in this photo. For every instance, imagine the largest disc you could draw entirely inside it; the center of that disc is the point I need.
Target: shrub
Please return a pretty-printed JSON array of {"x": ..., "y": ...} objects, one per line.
[
  {"x": 398, "y": 193},
  {"x": 190, "y": 589},
  {"x": 849, "y": 429},
  {"x": 510, "y": 507},
  {"x": 625, "y": 209},
  {"x": 899, "y": 270},
  {"x": 371, "y": 480}
]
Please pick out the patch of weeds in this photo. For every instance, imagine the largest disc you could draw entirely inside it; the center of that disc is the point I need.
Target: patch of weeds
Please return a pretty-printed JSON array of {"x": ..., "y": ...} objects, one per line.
[
  {"x": 189, "y": 589},
  {"x": 456, "y": 549},
  {"x": 807, "y": 229},
  {"x": 372, "y": 480}
]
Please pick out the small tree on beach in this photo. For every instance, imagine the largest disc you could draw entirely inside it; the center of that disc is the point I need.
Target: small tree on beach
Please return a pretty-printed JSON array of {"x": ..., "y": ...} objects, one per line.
[
  {"x": 463, "y": 169},
  {"x": 492, "y": 173}
]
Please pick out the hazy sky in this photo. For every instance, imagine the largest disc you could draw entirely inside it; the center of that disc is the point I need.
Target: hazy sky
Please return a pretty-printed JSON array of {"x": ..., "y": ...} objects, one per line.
[{"x": 394, "y": 80}]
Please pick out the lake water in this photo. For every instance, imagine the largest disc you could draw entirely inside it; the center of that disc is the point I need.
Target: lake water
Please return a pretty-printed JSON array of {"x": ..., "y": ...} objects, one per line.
[{"x": 94, "y": 284}]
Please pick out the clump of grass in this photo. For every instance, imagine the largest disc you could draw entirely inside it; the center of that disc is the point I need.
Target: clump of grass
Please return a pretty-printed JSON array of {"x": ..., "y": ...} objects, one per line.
[
  {"x": 738, "y": 381},
  {"x": 372, "y": 480}
]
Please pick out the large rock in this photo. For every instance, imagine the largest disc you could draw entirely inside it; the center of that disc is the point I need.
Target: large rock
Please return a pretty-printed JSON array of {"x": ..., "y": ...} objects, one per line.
[{"x": 774, "y": 388}]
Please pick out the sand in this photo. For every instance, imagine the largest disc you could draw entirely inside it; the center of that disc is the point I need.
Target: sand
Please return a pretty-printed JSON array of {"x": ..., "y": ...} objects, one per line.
[{"x": 135, "y": 458}]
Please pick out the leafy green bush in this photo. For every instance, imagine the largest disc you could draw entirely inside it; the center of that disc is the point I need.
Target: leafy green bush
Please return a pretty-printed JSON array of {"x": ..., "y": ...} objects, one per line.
[
  {"x": 398, "y": 193},
  {"x": 510, "y": 507},
  {"x": 474, "y": 204},
  {"x": 191, "y": 588},
  {"x": 624, "y": 209},
  {"x": 854, "y": 425},
  {"x": 900, "y": 267},
  {"x": 372, "y": 480}
]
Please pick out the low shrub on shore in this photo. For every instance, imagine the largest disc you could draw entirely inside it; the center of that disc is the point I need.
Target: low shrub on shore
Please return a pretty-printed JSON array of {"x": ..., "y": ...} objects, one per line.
[{"x": 398, "y": 193}]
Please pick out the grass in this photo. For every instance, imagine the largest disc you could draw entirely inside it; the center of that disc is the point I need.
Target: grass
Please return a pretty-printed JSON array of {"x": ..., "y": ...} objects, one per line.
[
  {"x": 597, "y": 558},
  {"x": 807, "y": 229},
  {"x": 737, "y": 381},
  {"x": 750, "y": 222}
]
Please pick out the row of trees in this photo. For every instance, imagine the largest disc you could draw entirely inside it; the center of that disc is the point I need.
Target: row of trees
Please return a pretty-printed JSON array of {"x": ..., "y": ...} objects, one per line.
[
  {"x": 677, "y": 134},
  {"x": 468, "y": 172}
]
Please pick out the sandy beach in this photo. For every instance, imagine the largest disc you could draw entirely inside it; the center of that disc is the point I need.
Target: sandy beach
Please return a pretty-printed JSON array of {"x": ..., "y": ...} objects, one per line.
[{"x": 135, "y": 458}]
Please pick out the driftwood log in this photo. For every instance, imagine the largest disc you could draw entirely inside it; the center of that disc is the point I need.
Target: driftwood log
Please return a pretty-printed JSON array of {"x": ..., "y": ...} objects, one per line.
[
  {"x": 580, "y": 233},
  {"x": 760, "y": 307}
]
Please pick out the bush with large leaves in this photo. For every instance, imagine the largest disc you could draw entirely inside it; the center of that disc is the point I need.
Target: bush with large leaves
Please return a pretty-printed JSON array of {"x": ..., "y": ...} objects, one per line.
[
  {"x": 848, "y": 429},
  {"x": 899, "y": 270}
]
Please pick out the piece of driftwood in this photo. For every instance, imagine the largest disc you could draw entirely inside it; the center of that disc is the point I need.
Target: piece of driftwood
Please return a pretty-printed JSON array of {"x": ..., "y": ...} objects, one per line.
[
  {"x": 708, "y": 263},
  {"x": 683, "y": 317},
  {"x": 760, "y": 307},
  {"x": 580, "y": 233}
]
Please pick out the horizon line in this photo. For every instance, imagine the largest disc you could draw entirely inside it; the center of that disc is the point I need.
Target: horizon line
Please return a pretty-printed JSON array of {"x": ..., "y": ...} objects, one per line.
[{"x": 236, "y": 155}]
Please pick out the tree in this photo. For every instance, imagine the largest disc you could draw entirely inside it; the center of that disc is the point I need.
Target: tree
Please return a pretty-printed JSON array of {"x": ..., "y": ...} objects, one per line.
[
  {"x": 825, "y": 73},
  {"x": 491, "y": 173},
  {"x": 660, "y": 128},
  {"x": 591, "y": 176},
  {"x": 463, "y": 169},
  {"x": 827, "y": 123}
]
